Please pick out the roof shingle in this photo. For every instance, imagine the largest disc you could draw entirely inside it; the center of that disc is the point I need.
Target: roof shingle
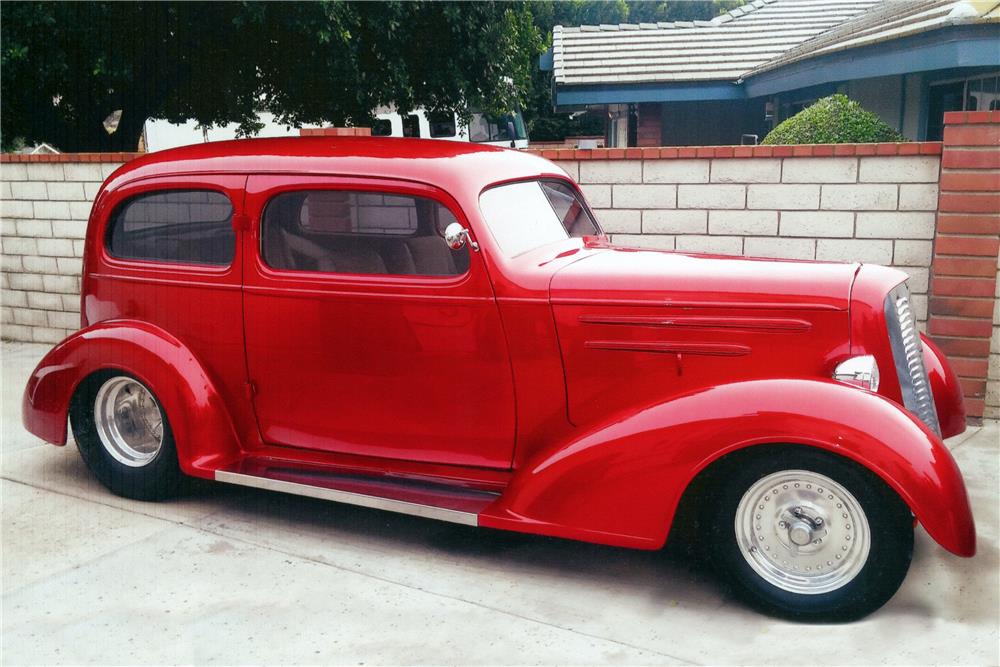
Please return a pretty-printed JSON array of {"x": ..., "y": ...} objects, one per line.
[
  {"x": 892, "y": 20},
  {"x": 723, "y": 49}
]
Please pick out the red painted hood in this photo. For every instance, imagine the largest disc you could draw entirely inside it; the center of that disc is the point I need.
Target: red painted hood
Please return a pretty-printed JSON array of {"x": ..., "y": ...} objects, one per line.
[{"x": 659, "y": 277}]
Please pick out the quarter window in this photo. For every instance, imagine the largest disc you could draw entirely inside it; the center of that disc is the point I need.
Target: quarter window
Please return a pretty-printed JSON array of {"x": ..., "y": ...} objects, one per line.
[
  {"x": 185, "y": 226},
  {"x": 529, "y": 214},
  {"x": 341, "y": 231}
]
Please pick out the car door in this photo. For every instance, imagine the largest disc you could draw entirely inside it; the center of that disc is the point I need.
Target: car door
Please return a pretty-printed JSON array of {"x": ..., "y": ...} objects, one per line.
[{"x": 365, "y": 333}]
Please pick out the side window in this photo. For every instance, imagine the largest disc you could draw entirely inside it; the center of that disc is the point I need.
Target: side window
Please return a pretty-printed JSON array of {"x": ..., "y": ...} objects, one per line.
[
  {"x": 382, "y": 127},
  {"x": 442, "y": 125},
  {"x": 411, "y": 125},
  {"x": 342, "y": 231},
  {"x": 186, "y": 226}
]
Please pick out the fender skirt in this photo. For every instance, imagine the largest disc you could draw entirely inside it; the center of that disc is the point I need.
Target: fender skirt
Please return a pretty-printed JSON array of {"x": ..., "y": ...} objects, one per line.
[
  {"x": 620, "y": 483},
  {"x": 203, "y": 431}
]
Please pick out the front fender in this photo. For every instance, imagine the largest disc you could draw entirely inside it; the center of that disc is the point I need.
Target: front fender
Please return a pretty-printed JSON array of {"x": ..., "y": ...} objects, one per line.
[
  {"x": 621, "y": 483},
  {"x": 947, "y": 391},
  {"x": 203, "y": 431}
]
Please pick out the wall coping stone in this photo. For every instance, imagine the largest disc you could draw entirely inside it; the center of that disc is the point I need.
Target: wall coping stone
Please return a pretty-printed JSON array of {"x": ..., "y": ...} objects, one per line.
[
  {"x": 69, "y": 157},
  {"x": 971, "y": 117},
  {"x": 715, "y": 152}
]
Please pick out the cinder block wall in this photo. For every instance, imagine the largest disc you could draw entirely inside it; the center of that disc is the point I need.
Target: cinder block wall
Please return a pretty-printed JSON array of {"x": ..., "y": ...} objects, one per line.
[
  {"x": 856, "y": 206},
  {"x": 43, "y": 213}
]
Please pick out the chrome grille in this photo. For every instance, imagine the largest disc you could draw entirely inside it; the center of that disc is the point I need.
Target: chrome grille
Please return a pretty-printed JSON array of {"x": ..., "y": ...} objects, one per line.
[{"x": 908, "y": 356}]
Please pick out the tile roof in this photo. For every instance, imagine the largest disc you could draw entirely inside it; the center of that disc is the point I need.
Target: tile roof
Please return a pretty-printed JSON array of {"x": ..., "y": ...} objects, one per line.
[
  {"x": 723, "y": 49},
  {"x": 892, "y": 20}
]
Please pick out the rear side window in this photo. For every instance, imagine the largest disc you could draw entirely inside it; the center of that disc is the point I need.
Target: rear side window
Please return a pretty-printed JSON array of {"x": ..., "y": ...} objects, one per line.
[
  {"x": 184, "y": 226},
  {"x": 342, "y": 231}
]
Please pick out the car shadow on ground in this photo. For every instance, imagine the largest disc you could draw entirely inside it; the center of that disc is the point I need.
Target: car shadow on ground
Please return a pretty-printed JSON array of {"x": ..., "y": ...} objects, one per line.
[
  {"x": 665, "y": 575},
  {"x": 676, "y": 575}
]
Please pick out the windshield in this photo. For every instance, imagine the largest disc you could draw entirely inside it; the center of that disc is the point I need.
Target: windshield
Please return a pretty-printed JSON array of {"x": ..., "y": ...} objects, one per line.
[
  {"x": 527, "y": 215},
  {"x": 492, "y": 128}
]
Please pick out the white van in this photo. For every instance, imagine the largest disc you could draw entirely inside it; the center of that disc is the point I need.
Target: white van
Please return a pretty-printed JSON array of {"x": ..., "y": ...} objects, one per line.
[
  {"x": 161, "y": 134},
  {"x": 507, "y": 131}
]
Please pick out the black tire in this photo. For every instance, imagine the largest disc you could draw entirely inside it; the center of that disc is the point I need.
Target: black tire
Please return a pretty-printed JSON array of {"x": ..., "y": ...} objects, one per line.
[
  {"x": 890, "y": 533},
  {"x": 157, "y": 479}
]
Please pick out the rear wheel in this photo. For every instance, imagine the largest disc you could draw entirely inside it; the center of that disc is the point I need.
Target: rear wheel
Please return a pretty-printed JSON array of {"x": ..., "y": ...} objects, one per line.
[
  {"x": 806, "y": 534},
  {"x": 124, "y": 437}
]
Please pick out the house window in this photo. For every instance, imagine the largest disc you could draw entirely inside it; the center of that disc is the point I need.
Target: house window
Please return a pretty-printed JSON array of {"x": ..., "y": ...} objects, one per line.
[
  {"x": 974, "y": 94},
  {"x": 983, "y": 94}
]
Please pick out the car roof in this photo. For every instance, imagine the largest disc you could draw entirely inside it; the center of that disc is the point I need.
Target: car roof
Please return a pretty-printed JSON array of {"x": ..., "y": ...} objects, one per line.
[{"x": 450, "y": 165}]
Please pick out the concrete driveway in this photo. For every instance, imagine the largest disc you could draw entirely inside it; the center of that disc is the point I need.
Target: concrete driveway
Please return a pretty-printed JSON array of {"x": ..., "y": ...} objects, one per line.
[{"x": 228, "y": 575}]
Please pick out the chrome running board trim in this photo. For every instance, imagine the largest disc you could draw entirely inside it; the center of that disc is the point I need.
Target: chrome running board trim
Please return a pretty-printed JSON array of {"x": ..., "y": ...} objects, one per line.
[{"x": 348, "y": 497}]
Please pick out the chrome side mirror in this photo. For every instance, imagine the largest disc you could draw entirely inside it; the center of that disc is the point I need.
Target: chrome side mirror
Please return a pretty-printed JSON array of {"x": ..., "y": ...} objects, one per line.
[{"x": 456, "y": 236}]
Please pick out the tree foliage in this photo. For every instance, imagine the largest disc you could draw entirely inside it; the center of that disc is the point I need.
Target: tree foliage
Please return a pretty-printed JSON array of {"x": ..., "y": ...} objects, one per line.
[
  {"x": 833, "y": 120},
  {"x": 67, "y": 66}
]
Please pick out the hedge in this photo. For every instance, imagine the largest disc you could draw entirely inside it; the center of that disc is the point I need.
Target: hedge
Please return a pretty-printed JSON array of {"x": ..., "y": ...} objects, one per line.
[{"x": 833, "y": 120}]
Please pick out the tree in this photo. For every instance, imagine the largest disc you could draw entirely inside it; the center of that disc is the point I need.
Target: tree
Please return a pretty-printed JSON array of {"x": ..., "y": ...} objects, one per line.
[
  {"x": 546, "y": 124},
  {"x": 67, "y": 66},
  {"x": 833, "y": 120}
]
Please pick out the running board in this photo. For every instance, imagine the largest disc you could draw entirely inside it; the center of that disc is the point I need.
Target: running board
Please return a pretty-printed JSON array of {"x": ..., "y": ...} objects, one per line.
[{"x": 427, "y": 500}]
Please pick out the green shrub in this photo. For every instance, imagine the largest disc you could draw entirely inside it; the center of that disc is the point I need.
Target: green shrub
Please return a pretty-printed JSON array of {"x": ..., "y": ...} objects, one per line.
[{"x": 833, "y": 120}]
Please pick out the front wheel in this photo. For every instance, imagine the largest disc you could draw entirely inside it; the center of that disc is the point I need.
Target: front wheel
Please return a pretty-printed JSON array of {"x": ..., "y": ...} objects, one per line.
[
  {"x": 805, "y": 534},
  {"x": 124, "y": 437}
]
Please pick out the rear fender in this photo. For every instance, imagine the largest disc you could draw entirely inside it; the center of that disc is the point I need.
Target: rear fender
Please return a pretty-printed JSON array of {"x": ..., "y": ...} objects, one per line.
[
  {"x": 202, "y": 428},
  {"x": 620, "y": 484}
]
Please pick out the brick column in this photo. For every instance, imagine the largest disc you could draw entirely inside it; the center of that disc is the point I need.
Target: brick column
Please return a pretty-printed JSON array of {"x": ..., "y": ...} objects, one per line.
[
  {"x": 648, "y": 130},
  {"x": 966, "y": 245}
]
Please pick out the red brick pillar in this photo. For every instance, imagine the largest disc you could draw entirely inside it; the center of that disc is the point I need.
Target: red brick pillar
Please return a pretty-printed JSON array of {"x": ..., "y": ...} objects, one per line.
[
  {"x": 648, "y": 126},
  {"x": 966, "y": 244}
]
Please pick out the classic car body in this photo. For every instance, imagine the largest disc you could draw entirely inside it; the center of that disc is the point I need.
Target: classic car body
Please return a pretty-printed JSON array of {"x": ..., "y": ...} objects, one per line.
[{"x": 573, "y": 388}]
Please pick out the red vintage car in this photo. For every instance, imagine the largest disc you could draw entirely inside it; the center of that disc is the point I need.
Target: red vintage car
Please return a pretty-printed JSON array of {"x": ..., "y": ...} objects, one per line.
[{"x": 443, "y": 330}]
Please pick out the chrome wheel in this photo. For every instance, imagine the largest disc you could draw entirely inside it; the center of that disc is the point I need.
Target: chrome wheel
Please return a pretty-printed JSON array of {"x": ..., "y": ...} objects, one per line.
[
  {"x": 802, "y": 532},
  {"x": 129, "y": 421}
]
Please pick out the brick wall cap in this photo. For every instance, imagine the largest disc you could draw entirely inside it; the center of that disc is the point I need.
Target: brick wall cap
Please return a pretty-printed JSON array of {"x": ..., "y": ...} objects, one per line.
[
  {"x": 971, "y": 117},
  {"x": 70, "y": 157},
  {"x": 737, "y": 152}
]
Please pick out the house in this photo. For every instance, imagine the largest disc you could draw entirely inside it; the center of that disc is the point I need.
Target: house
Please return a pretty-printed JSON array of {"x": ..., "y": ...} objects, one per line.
[{"x": 731, "y": 79}]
